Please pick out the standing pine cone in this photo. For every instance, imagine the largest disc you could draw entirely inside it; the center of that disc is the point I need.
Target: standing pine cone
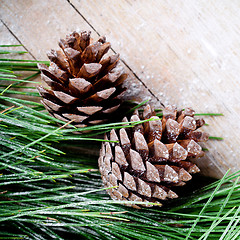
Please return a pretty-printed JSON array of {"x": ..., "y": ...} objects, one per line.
[
  {"x": 151, "y": 158},
  {"x": 85, "y": 87}
]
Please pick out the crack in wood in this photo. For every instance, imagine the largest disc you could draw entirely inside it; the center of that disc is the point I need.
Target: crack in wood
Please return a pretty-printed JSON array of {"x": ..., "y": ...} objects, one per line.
[{"x": 17, "y": 39}]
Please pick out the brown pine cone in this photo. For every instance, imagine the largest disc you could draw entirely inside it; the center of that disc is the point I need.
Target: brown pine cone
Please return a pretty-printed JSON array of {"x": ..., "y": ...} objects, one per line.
[
  {"x": 84, "y": 86},
  {"x": 151, "y": 158}
]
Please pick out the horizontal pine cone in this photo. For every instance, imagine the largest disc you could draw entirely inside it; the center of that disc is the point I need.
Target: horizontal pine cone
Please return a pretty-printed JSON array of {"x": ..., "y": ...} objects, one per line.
[
  {"x": 84, "y": 86},
  {"x": 150, "y": 159}
]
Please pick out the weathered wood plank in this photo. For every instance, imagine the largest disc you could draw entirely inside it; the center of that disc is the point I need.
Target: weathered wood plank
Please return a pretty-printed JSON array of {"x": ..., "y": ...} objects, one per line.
[
  {"x": 183, "y": 51},
  {"x": 45, "y": 22}
]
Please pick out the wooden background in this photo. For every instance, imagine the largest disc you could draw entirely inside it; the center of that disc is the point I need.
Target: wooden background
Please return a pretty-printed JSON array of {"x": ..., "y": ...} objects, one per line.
[{"x": 185, "y": 53}]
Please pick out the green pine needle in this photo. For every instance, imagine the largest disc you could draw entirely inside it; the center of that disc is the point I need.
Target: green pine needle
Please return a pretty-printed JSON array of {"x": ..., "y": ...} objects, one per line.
[
  {"x": 215, "y": 138},
  {"x": 138, "y": 106},
  {"x": 11, "y": 51},
  {"x": 10, "y": 45},
  {"x": 209, "y": 114}
]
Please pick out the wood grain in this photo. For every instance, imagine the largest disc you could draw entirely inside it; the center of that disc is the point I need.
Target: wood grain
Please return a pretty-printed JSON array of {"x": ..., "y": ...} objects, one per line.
[{"x": 185, "y": 52}]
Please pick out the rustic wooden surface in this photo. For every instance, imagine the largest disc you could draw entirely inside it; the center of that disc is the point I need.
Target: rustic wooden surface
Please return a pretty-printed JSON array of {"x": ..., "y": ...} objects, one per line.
[{"x": 179, "y": 52}]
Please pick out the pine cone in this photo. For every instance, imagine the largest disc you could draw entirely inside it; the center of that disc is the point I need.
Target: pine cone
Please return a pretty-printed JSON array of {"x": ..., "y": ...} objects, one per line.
[
  {"x": 84, "y": 86},
  {"x": 152, "y": 158}
]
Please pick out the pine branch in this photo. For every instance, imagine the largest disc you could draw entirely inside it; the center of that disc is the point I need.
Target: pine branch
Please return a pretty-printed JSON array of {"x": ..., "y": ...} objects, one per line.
[{"x": 46, "y": 194}]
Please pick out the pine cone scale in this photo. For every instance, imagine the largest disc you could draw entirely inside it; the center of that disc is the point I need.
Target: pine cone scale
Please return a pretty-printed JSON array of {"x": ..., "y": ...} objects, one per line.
[
  {"x": 79, "y": 86},
  {"x": 89, "y": 70},
  {"x": 89, "y": 110}
]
